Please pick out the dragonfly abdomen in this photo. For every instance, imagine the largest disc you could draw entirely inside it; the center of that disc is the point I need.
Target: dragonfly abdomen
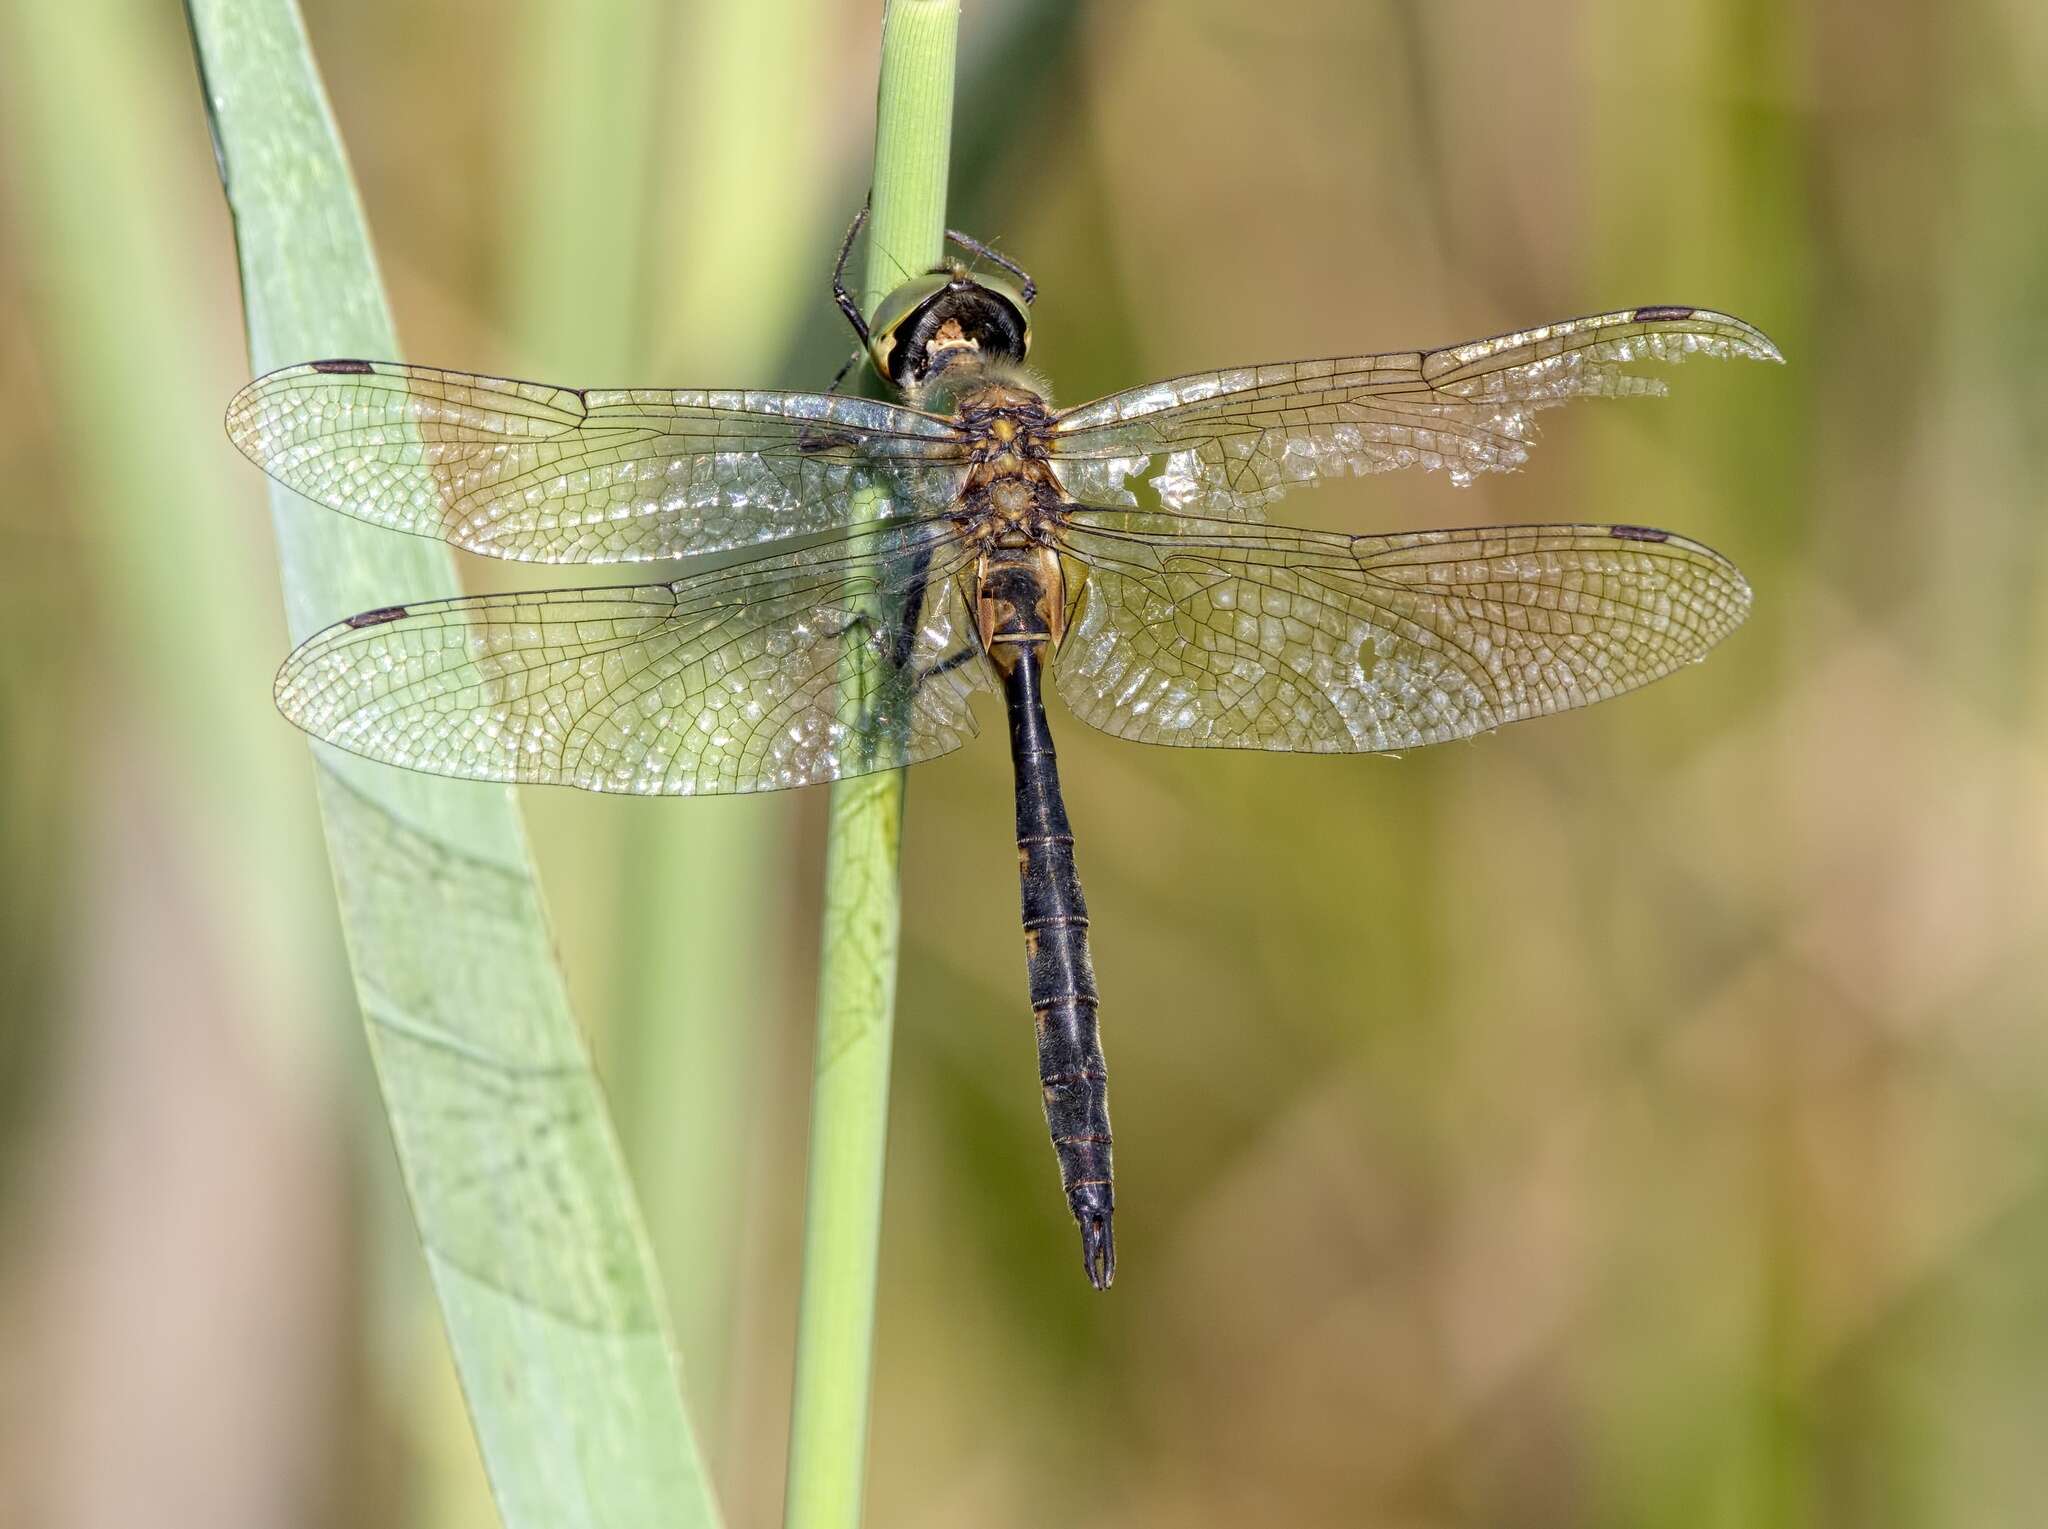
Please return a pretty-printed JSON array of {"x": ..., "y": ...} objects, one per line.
[{"x": 1071, "y": 1070}]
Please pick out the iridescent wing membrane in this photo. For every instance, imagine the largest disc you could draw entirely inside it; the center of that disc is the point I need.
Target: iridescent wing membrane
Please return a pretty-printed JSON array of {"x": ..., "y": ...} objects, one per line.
[
  {"x": 829, "y": 660},
  {"x": 565, "y": 475},
  {"x": 833, "y": 660},
  {"x": 1199, "y": 628},
  {"x": 1222, "y": 635},
  {"x": 1235, "y": 439}
]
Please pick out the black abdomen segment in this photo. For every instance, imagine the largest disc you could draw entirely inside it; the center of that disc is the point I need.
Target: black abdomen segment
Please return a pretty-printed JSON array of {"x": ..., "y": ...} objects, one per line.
[{"x": 1063, "y": 1002}]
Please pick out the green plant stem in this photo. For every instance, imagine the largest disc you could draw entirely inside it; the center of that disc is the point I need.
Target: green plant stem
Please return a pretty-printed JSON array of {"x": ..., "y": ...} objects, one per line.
[
  {"x": 862, "y": 923},
  {"x": 705, "y": 943}
]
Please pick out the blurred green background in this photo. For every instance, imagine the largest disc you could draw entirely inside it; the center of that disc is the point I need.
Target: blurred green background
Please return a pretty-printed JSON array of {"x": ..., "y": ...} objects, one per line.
[{"x": 1637, "y": 1118}]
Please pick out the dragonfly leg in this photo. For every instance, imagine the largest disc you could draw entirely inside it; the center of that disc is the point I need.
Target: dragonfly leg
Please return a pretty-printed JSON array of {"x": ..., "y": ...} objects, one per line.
[
  {"x": 812, "y": 439},
  {"x": 845, "y": 366},
  {"x": 946, "y": 665},
  {"x": 840, "y": 295},
  {"x": 973, "y": 246}
]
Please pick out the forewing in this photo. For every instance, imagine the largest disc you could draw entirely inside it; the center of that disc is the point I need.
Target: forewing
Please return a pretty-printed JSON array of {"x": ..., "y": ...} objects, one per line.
[
  {"x": 564, "y": 475},
  {"x": 1234, "y": 636},
  {"x": 1235, "y": 439},
  {"x": 805, "y": 667}
]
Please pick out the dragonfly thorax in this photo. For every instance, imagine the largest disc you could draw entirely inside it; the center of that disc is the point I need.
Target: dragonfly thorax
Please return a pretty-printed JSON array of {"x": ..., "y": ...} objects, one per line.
[{"x": 1011, "y": 496}]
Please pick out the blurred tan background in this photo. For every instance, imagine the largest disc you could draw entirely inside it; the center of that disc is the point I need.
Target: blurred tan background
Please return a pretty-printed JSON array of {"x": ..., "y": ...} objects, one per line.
[{"x": 1638, "y": 1118}]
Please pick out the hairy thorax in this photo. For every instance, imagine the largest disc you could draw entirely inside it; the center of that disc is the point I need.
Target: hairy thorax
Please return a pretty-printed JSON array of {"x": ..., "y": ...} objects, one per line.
[
  {"x": 1010, "y": 506},
  {"x": 1011, "y": 496}
]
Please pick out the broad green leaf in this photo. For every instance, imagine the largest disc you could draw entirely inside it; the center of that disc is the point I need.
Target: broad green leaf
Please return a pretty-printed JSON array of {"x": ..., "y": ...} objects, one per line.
[{"x": 546, "y": 1285}]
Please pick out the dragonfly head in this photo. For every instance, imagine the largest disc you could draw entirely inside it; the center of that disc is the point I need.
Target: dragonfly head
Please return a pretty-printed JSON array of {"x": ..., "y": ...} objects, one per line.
[{"x": 946, "y": 316}]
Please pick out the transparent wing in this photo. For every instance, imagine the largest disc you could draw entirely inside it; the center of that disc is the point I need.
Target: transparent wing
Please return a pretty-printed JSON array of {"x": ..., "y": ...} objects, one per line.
[
  {"x": 1235, "y": 439},
  {"x": 1223, "y": 635},
  {"x": 811, "y": 666},
  {"x": 564, "y": 475}
]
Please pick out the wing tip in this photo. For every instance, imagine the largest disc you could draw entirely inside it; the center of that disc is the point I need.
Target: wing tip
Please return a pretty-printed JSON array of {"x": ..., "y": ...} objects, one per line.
[
  {"x": 1750, "y": 342},
  {"x": 243, "y": 417},
  {"x": 245, "y": 420},
  {"x": 1735, "y": 596}
]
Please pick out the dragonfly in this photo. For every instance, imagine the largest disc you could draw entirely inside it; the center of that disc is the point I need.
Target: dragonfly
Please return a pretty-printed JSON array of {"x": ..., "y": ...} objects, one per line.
[{"x": 964, "y": 538}]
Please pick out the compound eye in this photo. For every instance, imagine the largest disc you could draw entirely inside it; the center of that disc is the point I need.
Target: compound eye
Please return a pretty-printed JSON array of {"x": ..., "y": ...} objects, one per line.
[{"x": 892, "y": 313}]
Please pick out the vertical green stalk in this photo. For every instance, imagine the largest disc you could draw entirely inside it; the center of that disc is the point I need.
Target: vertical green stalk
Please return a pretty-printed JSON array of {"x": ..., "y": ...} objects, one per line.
[
  {"x": 857, "y": 980},
  {"x": 704, "y": 943}
]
